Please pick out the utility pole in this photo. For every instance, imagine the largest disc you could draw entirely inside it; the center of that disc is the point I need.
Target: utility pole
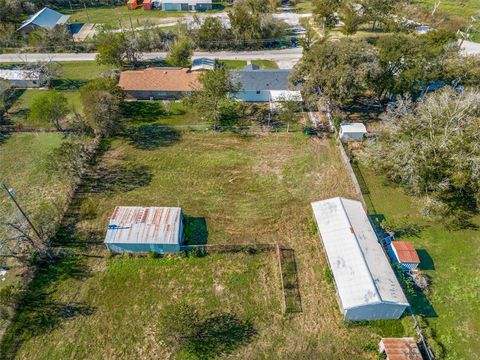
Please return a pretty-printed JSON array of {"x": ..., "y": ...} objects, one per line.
[
  {"x": 435, "y": 7},
  {"x": 131, "y": 25},
  {"x": 9, "y": 192},
  {"x": 85, "y": 7}
]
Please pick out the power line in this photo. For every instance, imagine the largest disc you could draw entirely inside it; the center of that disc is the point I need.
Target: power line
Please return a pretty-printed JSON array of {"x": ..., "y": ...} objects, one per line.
[{"x": 12, "y": 197}]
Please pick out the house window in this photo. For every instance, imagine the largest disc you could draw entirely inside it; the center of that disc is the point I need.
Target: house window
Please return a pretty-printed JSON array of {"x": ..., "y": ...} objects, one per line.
[{"x": 258, "y": 91}]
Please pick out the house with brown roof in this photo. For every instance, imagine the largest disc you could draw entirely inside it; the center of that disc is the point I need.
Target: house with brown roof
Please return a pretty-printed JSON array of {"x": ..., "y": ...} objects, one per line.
[{"x": 158, "y": 83}]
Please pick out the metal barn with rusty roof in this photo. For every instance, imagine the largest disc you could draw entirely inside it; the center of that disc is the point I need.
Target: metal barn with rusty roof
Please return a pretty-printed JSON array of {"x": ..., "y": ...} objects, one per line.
[{"x": 145, "y": 229}]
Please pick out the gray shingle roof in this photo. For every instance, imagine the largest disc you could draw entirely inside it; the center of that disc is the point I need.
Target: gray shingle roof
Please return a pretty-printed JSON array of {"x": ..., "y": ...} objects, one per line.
[{"x": 268, "y": 79}]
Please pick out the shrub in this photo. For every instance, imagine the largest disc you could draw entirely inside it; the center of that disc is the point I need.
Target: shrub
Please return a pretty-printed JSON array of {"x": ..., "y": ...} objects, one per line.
[{"x": 327, "y": 273}]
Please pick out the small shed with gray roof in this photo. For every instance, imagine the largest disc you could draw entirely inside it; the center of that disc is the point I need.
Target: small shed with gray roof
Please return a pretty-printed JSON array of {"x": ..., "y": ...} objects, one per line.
[
  {"x": 264, "y": 85},
  {"x": 137, "y": 229},
  {"x": 366, "y": 285}
]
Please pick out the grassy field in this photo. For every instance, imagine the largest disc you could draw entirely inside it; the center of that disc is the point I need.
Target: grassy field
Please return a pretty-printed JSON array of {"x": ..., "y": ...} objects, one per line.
[
  {"x": 462, "y": 8},
  {"x": 450, "y": 258},
  {"x": 24, "y": 159},
  {"x": 239, "y": 189},
  {"x": 18, "y": 113}
]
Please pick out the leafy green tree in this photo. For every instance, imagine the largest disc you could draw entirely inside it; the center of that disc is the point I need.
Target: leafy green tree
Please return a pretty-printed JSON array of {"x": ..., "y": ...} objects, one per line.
[
  {"x": 378, "y": 11},
  {"x": 289, "y": 111},
  {"x": 351, "y": 18},
  {"x": 211, "y": 32},
  {"x": 101, "y": 101},
  {"x": 324, "y": 11},
  {"x": 337, "y": 70},
  {"x": 214, "y": 91},
  {"x": 52, "y": 106},
  {"x": 181, "y": 53},
  {"x": 118, "y": 49},
  {"x": 5, "y": 92},
  {"x": 410, "y": 62},
  {"x": 431, "y": 148},
  {"x": 250, "y": 28}
]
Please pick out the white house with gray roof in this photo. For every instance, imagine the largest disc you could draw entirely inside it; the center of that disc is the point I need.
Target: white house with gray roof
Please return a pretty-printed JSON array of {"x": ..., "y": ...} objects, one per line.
[
  {"x": 264, "y": 85},
  {"x": 366, "y": 285}
]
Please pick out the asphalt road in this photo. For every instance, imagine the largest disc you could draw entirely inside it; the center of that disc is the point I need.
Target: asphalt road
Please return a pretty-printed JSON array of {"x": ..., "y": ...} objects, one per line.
[{"x": 285, "y": 58}]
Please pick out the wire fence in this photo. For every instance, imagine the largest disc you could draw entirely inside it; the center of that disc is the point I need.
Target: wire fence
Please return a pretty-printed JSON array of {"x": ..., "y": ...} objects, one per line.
[{"x": 291, "y": 298}]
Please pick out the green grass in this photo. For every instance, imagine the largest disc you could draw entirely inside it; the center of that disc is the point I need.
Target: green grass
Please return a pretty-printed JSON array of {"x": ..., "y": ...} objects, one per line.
[
  {"x": 462, "y": 8},
  {"x": 115, "y": 309},
  {"x": 233, "y": 64},
  {"x": 265, "y": 64},
  {"x": 245, "y": 189},
  {"x": 452, "y": 259},
  {"x": 18, "y": 113},
  {"x": 24, "y": 159},
  {"x": 152, "y": 113},
  {"x": 81, "y": 70}
]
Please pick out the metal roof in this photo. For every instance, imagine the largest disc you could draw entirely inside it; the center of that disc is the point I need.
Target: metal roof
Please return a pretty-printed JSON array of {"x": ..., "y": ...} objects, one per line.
[
  {"x": 406, "y": 252},
  {"x": 362, "y": 273},
  {"x": 401, "y": 349},
  {"x": 13, "y": 74},
  {"x": 266, "y": 79},
  {"x": 46, "y": 18},
  {"x": 203, "y": 64},
  {"x": 144, "y": 225},
  {"x": 354, "y": 128}
]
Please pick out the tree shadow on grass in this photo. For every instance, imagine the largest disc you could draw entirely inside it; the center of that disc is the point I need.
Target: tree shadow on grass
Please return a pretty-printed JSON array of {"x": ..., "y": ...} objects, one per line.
[
  {"x": 219, "y": 335},
  {"x": 38, "y": 311},
  {"x": 195, "y": 230},
  {"x": 142, "y": 111},
  {"x": 152, "y": 137},
  {"x": 4, "y": 136},
  {"x": 426, "y": 261},
  {"x": 116, "y": 178},
  {"x": 67, "y": 84}
]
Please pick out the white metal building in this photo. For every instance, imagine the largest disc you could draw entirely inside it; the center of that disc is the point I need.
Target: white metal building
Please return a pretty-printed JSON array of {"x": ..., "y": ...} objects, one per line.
[
  {"x": 352, "y": 131},
  {"x": 367, "y": 287},
  {"x": 151, "y": 229},
  {"x": 186, "y": 5},
  {"x": 23, "y": 78}
]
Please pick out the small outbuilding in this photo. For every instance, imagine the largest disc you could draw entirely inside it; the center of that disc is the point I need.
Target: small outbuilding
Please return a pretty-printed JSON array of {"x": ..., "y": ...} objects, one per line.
[
  {"x": 147, "y": 4},
  {"x": 352, "y": 131},
  {"x": 203, "y": 64},
  {"x": 137, "y": 229},
  {"x": 132, "y": 4},
  {"x": 403, "y": 253},
  {"x": 400, "y": 349},
  {"x": 45, "y": 18},
  {"x": 366, "y": 285},
  {"x": 23, "y": 79}
]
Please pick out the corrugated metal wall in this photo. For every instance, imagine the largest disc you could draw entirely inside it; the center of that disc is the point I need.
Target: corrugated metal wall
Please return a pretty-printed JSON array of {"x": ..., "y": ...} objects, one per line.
[{"x": 143, "y": 248}]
